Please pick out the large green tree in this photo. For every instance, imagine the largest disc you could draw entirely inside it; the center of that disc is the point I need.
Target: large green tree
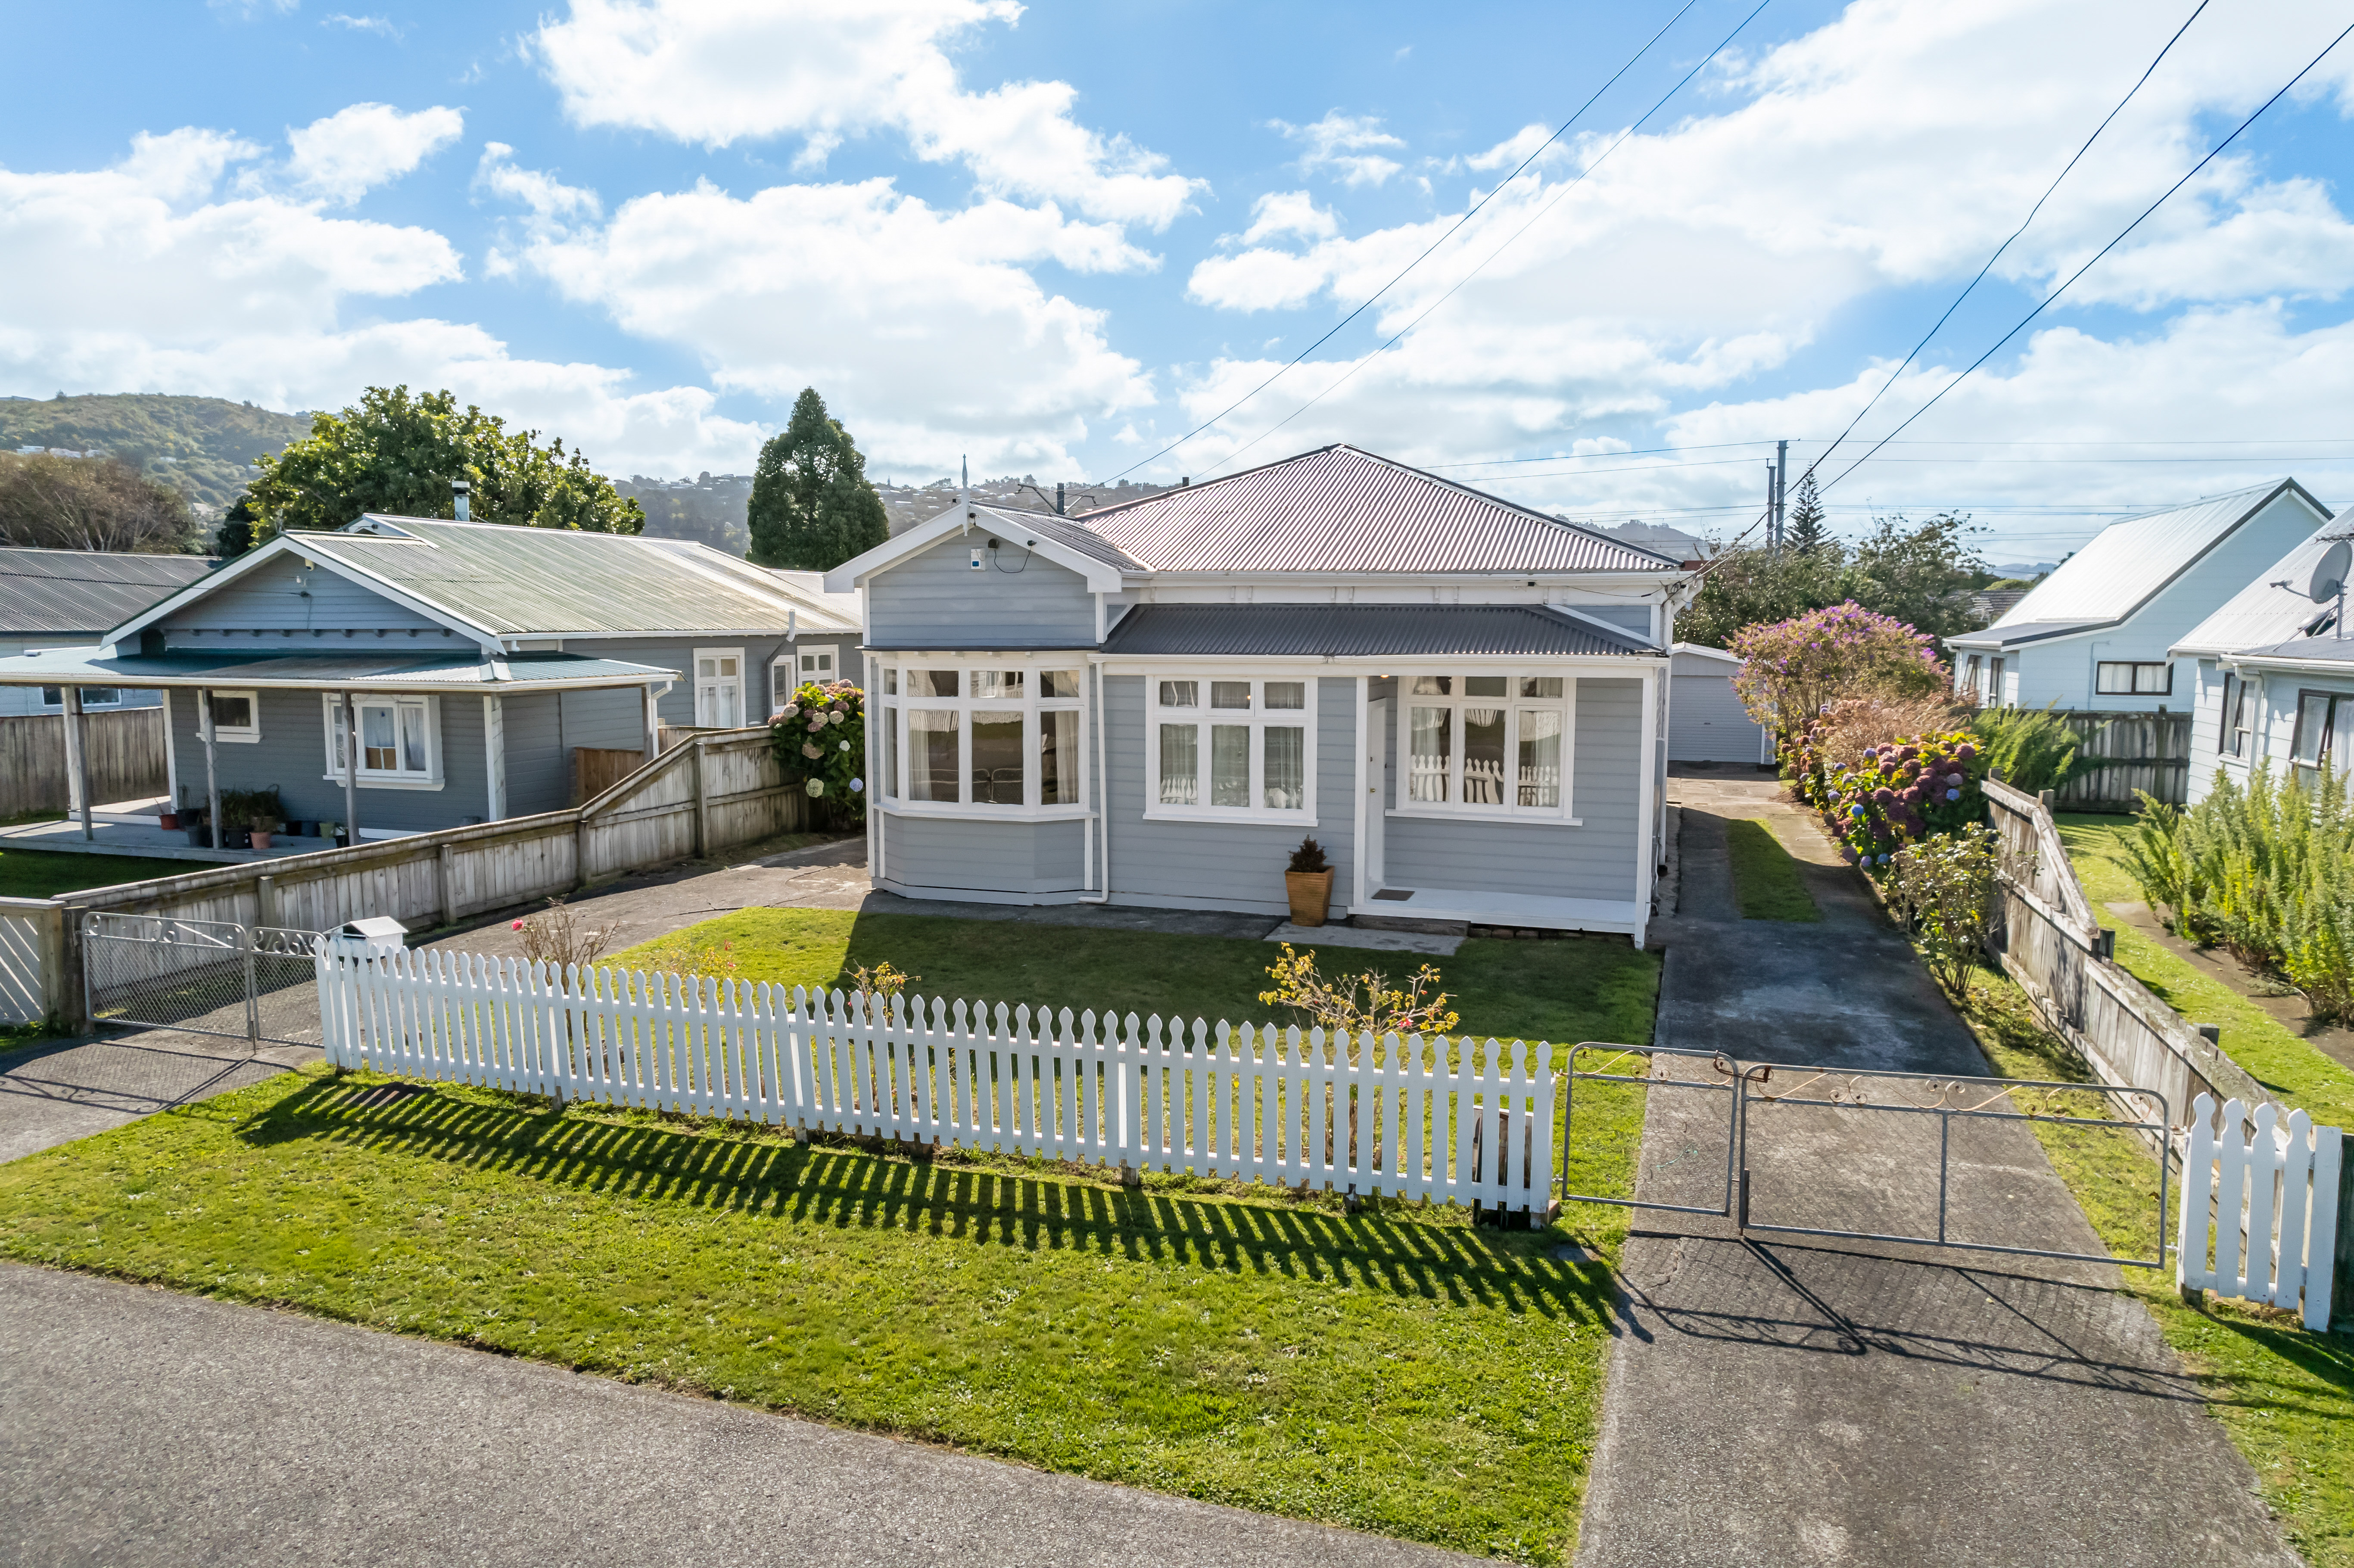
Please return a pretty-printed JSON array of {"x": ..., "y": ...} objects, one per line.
[
  {"x": 1919, "y": 572},
  {"x": 91, "y": 504},
  {"x": 1807, "y": 531},
  {"x": 812, "y": 507},
  {"x": 400, "y": 454}
]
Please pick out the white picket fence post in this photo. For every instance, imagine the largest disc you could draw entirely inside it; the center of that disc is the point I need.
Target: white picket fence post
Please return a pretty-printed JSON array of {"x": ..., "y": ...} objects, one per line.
[
  {"x": 1454, "y": 1119},
  {"x": 2268, "y": 1193}
]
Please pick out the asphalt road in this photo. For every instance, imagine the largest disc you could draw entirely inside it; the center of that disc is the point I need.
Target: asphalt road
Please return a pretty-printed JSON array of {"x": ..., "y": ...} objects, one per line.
[{"x": 145, "y": 1427}]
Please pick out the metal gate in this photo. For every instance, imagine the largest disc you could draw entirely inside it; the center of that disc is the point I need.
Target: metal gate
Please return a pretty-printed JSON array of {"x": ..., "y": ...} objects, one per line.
[
  {"x": 1830, "y": 1151},
  {"x": 254, "y": 983}
]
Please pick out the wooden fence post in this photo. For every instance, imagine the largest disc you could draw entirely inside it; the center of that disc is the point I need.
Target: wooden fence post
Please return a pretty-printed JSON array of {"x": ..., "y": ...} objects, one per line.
[
  {"x": 448, "y": 859},
  {"x": 702, "y": 804},
  {"x": 580, "y": 852}
]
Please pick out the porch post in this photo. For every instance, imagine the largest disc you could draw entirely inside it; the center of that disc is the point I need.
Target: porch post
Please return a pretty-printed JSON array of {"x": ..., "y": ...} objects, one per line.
[
  {"x": 351, "y": 771},
  {"x": 77, "y": 763},
  {"x": 171, "y": 757},
  {"x": 212, "y": 770},
  {"x": 653, "y": 724}
]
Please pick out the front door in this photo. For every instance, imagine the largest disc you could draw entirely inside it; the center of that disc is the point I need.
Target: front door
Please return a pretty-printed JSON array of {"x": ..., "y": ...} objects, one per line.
[
  {"x": 718, "y": 688},
  {"x": 1375, "y": 768}
]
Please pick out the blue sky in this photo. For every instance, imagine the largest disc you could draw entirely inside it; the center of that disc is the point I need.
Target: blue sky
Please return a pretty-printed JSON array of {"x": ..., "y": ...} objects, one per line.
[{"x": 1054, "y": 239}]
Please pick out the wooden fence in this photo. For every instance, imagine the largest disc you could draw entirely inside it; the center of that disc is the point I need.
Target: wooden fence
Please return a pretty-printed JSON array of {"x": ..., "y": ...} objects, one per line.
[
  {"x": 2267, "y": 1187},
  {"x": 126, "y": 759},
  {"x": 1456, "y": 1121},
  {"x": 596, "y": 768},
  {"x": 719, "y": 789},
  {"x": 2137, "y": 751}
]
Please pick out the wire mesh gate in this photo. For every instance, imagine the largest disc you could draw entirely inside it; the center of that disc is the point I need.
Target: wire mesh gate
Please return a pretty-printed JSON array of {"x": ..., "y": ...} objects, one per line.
[
  {"x": 254, "y": 983},
  {"x": 1851, "y": 1150}
]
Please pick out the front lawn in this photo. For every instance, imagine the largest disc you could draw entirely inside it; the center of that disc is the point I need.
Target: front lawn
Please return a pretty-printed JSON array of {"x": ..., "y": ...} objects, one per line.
[
  {"x": 2285, "y": 1396},
  {"x": 42, "y": 873},
  {"x": 1598, "y": 987},
  {"x": 2271, "y": 1051}
]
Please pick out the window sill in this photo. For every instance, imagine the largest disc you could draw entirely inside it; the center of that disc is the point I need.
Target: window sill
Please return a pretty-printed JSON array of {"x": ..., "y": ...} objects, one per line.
[
  {"x": 1301, "y": 819},
  {"x": 961, "y": 813},
  {"x": 372, "y": 781},
  {"x": 220, "y": 739},
  {"x": 1532, "y": 818}
]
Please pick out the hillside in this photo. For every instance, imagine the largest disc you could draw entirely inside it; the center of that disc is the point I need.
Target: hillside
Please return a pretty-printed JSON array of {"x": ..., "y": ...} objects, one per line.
[{"x": 204, "y": 445}]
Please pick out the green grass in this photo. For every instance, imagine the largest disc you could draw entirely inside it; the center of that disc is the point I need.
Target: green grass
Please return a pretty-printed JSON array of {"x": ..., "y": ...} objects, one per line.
[
  {"x": 1594, "y": 989},
  {"x": 1765, "y": 876},
  {"x": 2274, "y": 1053},
  {"x": 39, "y": 874},
  {"x": 2285, "y": 1396}
]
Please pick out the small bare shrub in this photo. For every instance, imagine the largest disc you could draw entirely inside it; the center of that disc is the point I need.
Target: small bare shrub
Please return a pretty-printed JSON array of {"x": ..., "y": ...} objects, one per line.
[
  {"x": 556, "y": 935},
  {"x": 1361, "y": 1004}
]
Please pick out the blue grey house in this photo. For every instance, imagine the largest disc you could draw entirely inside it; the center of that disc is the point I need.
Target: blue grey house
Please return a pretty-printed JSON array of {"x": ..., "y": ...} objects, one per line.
[
  {"x": 473, "y": 659},
  {"x": 51, "y": 598},
  {"x": 1462, "y": 700}
]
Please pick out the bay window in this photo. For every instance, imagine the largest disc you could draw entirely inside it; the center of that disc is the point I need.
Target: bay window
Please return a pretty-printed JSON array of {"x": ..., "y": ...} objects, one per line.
[
  {"x": 982, "y": 737},
  {"x": 1231, "y": 748},
  {"x": 400, "y": 740},
  {"x": 1488, "y": 744}
]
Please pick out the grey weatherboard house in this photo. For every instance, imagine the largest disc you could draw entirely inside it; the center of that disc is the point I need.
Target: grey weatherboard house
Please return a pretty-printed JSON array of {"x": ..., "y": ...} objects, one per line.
[
  {"x": 474, "y": 658},
  {"x": 1462, "y": 700}
]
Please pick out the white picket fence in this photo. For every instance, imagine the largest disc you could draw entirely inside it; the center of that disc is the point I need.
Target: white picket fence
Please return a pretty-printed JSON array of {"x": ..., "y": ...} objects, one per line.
[
  {"x": 2268, "y": 1193},
  {"x": 1457, "y": 1120}
]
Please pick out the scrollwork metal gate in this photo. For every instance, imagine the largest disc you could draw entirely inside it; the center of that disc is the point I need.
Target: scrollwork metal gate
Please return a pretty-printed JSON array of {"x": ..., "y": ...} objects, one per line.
[{"x": 254, "y": 983}]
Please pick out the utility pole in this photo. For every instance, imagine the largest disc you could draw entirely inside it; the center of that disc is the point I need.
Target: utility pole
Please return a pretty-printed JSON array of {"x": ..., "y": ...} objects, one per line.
[
  {"x": 1773, "y": 514},
  {"x": 1781, "y": 489}
]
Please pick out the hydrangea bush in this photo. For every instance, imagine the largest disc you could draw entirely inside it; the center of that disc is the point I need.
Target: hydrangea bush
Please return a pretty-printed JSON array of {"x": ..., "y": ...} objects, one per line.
[
  {"x": 1904, "y": 792},
  {"x": 819, "y": 738},
  {"x": 1792, "y": 669}
]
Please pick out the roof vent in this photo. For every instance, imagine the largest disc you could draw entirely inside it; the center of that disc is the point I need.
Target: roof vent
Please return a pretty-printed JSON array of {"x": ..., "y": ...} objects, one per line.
[{"x": 459, "y": 491}]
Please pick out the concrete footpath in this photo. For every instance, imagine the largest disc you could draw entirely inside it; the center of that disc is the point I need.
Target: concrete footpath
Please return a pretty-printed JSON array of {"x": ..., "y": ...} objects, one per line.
[
  {"x": 145, "y": 1427},
  {"x": 1786, "y": 1399}
]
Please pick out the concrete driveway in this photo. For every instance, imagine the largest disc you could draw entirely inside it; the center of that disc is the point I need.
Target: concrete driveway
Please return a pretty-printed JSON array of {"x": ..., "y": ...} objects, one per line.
[
  {"x": 53, "y": 1094},
  {"x": 145, "y": 1427},
  {"x": 1793, "y": 1400}
]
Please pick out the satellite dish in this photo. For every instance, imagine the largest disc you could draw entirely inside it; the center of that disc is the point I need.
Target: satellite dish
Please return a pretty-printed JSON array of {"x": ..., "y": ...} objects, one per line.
[{"x": 2329, "y": 575}]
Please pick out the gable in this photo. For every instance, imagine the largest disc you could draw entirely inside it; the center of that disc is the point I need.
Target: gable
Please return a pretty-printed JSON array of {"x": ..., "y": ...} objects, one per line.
[
  {"x": 282, "y": 596},
  {"x": 1017, "y": 598}
]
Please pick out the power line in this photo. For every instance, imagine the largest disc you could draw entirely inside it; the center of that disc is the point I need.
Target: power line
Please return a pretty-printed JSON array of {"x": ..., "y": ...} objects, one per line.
[
  {"x": 2052, "y": 298},
  {"x": 1568, "y": 185},
  {"x": 1810, "y": 441},
  {"x": 1452, "y": 229}
]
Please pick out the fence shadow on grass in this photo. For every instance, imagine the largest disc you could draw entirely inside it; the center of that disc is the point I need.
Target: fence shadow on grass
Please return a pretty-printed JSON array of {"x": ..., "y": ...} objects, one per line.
[{"x": 756, "y": 1174}]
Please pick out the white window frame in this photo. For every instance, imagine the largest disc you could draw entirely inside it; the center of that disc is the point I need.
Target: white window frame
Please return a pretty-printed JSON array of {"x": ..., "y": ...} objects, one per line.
[
  {"x": 888, "y": 705},
  {"x": 1259, "y": 720},
  {"x": 332, "y": 708},
  {"x": 789, "y": 663},
  {"x": 89, "y": 703},
  {"x": 695, "y": 683},
  {"x": 2235, "y": 740},
  {"x": 1452, "y": 809},
  {"x": 239, "y": 734},
  {"x": 2133, "y": 667}
]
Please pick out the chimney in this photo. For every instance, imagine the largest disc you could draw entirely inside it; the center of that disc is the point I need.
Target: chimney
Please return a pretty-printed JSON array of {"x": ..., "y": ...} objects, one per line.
[
  {"x": 460, "y": 489},
  {"x": 1058, "y": 499}
]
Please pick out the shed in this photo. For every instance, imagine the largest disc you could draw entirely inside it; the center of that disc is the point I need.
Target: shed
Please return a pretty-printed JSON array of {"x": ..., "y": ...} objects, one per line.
[{"x": 1706, "y": 722}]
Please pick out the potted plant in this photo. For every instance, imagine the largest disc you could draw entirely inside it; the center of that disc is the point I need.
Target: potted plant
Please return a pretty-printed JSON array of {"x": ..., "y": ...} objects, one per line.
[
  {"x": 169, "y": 818},
  {"x": 263, "y": 823},
  {"x": 199, "y": 832},
  {"x": 1308, "y": 881}
]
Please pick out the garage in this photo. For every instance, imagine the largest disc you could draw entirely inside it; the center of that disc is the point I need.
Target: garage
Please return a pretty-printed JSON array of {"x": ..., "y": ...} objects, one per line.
[{"x": 1706, "y": 722}]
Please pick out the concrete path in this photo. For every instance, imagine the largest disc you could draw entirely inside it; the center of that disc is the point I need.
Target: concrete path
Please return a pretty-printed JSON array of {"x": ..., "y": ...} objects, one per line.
[
  {"x": 145, "y": 1427},
  {"x": 1778, "y": 1399}
]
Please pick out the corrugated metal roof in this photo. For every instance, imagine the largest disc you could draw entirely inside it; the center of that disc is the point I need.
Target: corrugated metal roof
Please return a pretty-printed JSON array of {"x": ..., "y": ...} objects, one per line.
[
  {"x": 2130, "y": 560},
  {"x": 2263, "y": 616},
  {"x": 2000, "y": 635},
  {"x": 69, "y": 592},
  {"x": 2326, "y": 650},
  {"x": 1342, "y": 509},
  {"x": 1360, "y": 630},
  {"x": 1063, "y": 531},
  {"x": 464, "y": 671},
  {"x": 515, "y": 581}
]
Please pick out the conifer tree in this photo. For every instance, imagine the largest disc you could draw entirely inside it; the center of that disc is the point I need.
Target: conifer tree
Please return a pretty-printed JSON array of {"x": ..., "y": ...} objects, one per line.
[
  {"x": 1807, "y": 533},
  {"x": 812, "y": 507}
]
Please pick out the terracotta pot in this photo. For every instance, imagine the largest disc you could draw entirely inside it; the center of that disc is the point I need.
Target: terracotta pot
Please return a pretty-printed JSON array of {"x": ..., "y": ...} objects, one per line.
[
  {"x": 261, "y": 838},
  {"x": 169, "y": 822},
  {"x": 1311, "y": 895}
]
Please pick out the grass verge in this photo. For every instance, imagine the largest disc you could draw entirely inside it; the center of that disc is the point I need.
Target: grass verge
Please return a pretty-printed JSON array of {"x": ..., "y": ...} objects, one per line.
[
  {"x": 2274, "y": 1052},
  {"x": 1394, "y": 1370},
  {"x": 2285, "y": 1396},
  {"x": 1765, "y": 876},
  {"x": 40, "y": 873},
  {"x": 1594, "y": 989}
]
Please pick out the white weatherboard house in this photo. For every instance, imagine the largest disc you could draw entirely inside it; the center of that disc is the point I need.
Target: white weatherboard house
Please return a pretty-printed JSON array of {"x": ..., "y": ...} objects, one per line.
[
  {"x": 473, "y": 659},
  {"x": 1463, "y": 701},
  {"x": 2271, "y": 674},
  {"x": 2098, "y": 634}
]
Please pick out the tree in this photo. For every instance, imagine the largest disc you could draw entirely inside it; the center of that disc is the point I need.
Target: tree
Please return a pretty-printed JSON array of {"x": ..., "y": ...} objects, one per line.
[
  {"x": 235, "y": 536},
  {"x": 400, "y": 454},
  {"x": 1922, "y": 574},
  {"x": 1747, "y": 584},
  {"x": 1807, "y": 533},
  {"x": 91, "y": 504},
  {"x": 1792, "y": 669},
  {"x": 812, "y": 506}
]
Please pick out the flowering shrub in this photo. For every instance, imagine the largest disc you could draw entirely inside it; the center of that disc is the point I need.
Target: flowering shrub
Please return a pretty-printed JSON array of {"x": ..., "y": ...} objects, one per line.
[
  {"x": 554, "y": 936},
  {"x": 819, "y": 738},
  {"x": 1902, "y": 793},
  {"x": 1944, "y": 890},
  {"x": 1363, "y": 1003},
  {"x": 1835, "y": 741},
  {"x": 1791, "y": 670}
]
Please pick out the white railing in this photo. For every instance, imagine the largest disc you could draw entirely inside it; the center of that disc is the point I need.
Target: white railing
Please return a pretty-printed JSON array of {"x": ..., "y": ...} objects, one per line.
[
  {"x": 2269, "y": 1195},
  {"x": 1458, "y": 1120}
]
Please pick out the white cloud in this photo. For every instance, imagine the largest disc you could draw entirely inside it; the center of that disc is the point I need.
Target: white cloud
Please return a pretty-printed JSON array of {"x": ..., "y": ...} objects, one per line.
[
  {"x": 927, "y": 334},
  {"x": 340, "y": 158},
  {"x": 383, "y": 27},
  {"x": 1339, "y": 143},
  {"x": 721, "y": 71},
  {"x": 1289, "y": 212},
  {"x": 549, "y": 199}
]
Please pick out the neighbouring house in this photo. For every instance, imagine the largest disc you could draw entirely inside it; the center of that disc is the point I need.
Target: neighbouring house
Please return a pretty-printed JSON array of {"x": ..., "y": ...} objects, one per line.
[
  {"x": 2271, "y": 672},
  {"x": 1706, "y": 722},
  {"x": 1463, "y": 701},
  {"x": 1990, "y": 605},
  {"x": 2096, "y": 634},
  {"x": 57, "y": 598},
  {"x": 476, "y": 660}
]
